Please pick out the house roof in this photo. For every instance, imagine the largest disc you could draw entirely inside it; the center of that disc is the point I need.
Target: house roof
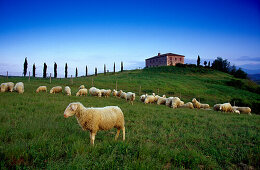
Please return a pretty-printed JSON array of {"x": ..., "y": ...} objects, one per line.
[{"x": 166, "y": 54}]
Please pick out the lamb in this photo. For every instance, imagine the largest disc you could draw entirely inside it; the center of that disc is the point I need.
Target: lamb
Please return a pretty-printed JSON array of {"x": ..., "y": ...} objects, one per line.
[
  {"x": 131, "y": 97},
  {"x": 156, "y": 98},
  {"x": 95, "y": 92},
  {"x": 82, "y": 92},
  {"x": 95, "y": 119},
  {"x": 56, "y": 89},
  {"x": 81, "y": 87},
  {"x": 245, "y": 110},
  {"x": 187, "y": 105},
  {"x": 19, "y": 87},
  {"x": 41, "y": 88},
  {"x": 161, "y": 100},
  {"x": 142, "y": 97},
  {"x": 226, "y": 107},
  {"x": 199, "y": 105},
  {"x": 149, "y": 99},
  {"x": 4, "y": 87},
  {"x": 119, "y": 93},
  {"x": 176, "y": 102},
  {"x": 67, "y": 90},
  {"x": 10, "y": 86},
  {"x": 168, "y": 101},
  {"x": 114, "y": 92}
]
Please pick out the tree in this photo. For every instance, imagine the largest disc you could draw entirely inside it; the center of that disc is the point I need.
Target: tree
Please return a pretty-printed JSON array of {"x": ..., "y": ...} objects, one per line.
[
  {"x": 104, "y": 69},
  {"x": 44, "y": 70},
  {"x": 34, "y": 68},
  {"x": 198, "y": 61},
  {"x": 205, "y": 63},
  {"x": 25, "y": 66},
  {"x": 66, "y": 70},
  {"x": 209, "y": 64},
  {"x": 95, "y": 71},
  {"x": 122, "y": 66},
  {"x": 221, "y": 65},
  {"x": 240, "y": 74},
  {"x": 76, "y": 72},
  {"x": 55, "y": 70},
  {"x": 232, "y": 70},
  {"x": 86, "y": 70},
  {"x": 114, "y": 67}
]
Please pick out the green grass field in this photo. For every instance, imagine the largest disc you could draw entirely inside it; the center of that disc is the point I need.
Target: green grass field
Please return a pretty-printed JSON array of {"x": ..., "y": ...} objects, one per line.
[{"x": 34, "y": 133}]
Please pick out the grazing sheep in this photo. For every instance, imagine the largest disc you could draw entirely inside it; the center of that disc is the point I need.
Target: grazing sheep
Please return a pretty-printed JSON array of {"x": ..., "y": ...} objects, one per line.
[
  {"x": 123, "y": 95},
  {"x": 187, "y": 105},
  {"x": 41, "y": 88},
  {"x": 226, "y": 107},
  {"x": 56, "y": 89},
  {"x": 119, "y": 93},
  {"x": 67, "y": 90},
  {"x": 216, "y": 107},
  {"x": 168, "y": 101},
  {"x": 82, "y": 92},
  {"x": 156, "y": 98},
  {"x": 149, "y": 99},
  {"x": 95, "y": 119},
  {"x": 105, "y": 93},
  {"x": 114, "y": 92},
  {"x": 95, "y": 92},
  {"x": 204, "y": 106},
  {"x": 245, "y": 110},
  {"x": 142, "y": 97},
  {"x": 81, "y": 87},
  {"x": 4, "y": 87},
  {"x": 131, "y": 97},
  {"x": 176, "y": 102},
  {"x": 19, "y": 87},
  {"x": 161, "y": 100},
  {"x": 199, "y": 105},
  {"x": 10, "y": 86}
]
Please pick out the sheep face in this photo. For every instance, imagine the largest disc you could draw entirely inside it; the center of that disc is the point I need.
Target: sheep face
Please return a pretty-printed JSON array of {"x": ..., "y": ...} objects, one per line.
[{"x": 70, "y": 110}]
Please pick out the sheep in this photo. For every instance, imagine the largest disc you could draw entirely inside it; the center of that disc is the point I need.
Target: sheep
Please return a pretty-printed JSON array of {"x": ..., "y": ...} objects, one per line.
[
  {"x": 168, "y": 101},
  {"x": 156, "y": 98},
  {"x": 67, "y": 90},
  {"x": 41, "y": 88},
  {"x": 161, "y": 100},
  {"x": 187, "y": 105},
  {"x": 123, "y": 95},
  {"x": 142, "y": 97},
  {"x": 245, "y": 110},
  {"x": 114, "y": 92},
  {"x": 149, "y": 99},
  {"x": 216, "y": 107},
  {"x": 95, "y": 119},
  {"x": 226, "y": 107},
  {"x": 10, "y": 86},
  {"x": 119, "y": 93},
  {"x": 4, "y": 87},
  {"x": 199, "y": 105},
  {"x": 81, "y": 87},
  {"x": 19, "y": 87},
  {"x": 105, "y": 93},
  {"x": 82, "y": 92},
  {"x": 204, "y": 106},
  {"x": 95, "y": 92},
  {"x": 176, "y": 102},
  {"x": 131, "y": 97},
  {"x": 56, "y": 89}
]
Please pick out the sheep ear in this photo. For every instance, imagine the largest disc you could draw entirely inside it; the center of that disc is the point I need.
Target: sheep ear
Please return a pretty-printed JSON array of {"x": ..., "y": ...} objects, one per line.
[{"x": 74, "y": 107}]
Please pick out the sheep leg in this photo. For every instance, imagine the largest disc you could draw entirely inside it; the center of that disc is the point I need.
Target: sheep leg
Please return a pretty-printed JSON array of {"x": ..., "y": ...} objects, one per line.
[
  {"x": 117, "y": 134},
  {"x": 92, "y": 137},
  {"x": 123, "y": 133}
]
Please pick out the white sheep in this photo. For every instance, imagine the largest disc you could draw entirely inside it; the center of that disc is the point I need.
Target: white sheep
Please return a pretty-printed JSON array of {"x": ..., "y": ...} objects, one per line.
[
  {"x": 216, "y": 107},
  {"x": 95, "y": 119},
  {"x": 245, "y": 110},
  {"x": 176, "y": 102},
  {"x": 142, "y": 97},
  {"x": 81, "y": 87},
  {"x": 41, "y": 88},
  {"x": 168, "y": 101},
  {"x": 199, "y": 105},
  {"x": 119, "y": 93},
  {"x": 56, "y": 89},
  {"x": 161, "y": 100},
  {"x": 187, "y": 105},
  {"x": 149, "y": 99},
  {"x": 67, "y": 90},
  {"x": 131, "y": 97},
  {"x": 105, "y": 93},
  {"x": 123, "y": 95},
  {"x": 82, "y": 92},
  {"x": 4, "y": 87},
  {"x": 19, "y": 87},
  {"x": 114, "y": 92},
  {"x": 95, "y": 92},
  {"x": 10, "y": 86},
  {"x": 226, "y": 107}
]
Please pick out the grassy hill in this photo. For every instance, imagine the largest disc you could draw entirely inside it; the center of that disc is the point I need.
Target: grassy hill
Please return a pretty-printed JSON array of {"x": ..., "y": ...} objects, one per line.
[{"x": 35, "y": 134}]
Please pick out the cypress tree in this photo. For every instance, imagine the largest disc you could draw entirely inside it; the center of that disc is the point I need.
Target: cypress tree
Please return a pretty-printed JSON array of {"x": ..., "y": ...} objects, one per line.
[
  {"x": 114, "y": 67},
  {"x": 34, "y": 69},
  {"x": 55, "y": 70},
  {"x": 86, "y": 70},
  {"x": 122, "y": 66},
  {"x": 95, "y": 71},
  {"x": 25, "y": 66},
  {"x": 198, "y": 61},
  {"x": 44, "y": 70},
  {"x": 76, "y": 72},
  {"x": 104, "y": 69},
  {"x": 66, "y": 70}
]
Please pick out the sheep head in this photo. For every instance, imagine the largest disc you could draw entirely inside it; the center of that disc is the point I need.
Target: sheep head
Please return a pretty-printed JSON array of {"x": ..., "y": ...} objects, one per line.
[{"x": 71, "y": 109}]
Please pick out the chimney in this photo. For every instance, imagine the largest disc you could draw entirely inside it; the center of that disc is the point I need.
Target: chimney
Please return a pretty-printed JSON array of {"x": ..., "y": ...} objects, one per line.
[{"x": 159, "y": 54}]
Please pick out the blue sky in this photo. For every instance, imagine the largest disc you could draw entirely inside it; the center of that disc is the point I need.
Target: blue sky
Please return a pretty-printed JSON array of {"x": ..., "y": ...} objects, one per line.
[{"x": 95, "y": 33}]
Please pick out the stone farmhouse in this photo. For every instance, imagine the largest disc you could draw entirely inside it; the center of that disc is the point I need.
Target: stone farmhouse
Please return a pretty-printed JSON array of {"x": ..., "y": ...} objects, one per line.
[{"x": 168, "y": 59}]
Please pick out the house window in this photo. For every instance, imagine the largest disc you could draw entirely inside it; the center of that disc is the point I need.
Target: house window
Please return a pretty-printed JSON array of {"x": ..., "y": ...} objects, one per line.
[{"x": 175, "y": 59}]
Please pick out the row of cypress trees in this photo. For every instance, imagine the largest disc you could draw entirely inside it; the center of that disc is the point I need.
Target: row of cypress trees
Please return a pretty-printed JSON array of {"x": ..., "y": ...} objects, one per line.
[{"x": 66, "y": 69}]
